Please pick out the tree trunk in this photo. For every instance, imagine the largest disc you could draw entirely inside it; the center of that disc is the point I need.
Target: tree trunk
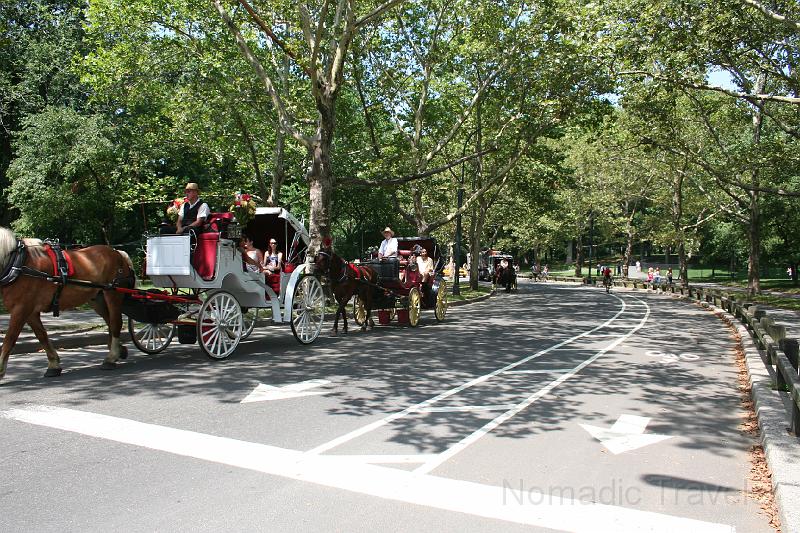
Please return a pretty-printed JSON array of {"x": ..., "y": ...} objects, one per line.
[
  {"x": 320, "y": 176},
  {"x": 279, "y": 170},
  {"x": 579, "y": 255},
  {"x": 754, "y": 228},
  {"x": 629, "y": 234},
  {"x": 684, "y": 267},
  {"x": 677, "y": 215}
]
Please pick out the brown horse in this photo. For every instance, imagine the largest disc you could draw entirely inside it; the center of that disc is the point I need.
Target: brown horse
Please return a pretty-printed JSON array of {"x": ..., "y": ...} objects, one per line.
[
  {"x": 26, "y": 296},
  {"x": 346, "y": 280}
]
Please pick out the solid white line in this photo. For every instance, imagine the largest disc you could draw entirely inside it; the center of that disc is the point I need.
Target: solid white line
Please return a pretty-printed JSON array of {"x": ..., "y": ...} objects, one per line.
[
  {"x": 529, "y": 507},
  {"x": 455, "y": 390},
  {"x": 383, "y": 459},
  {"x": 466, "y": 441},
  {"x": 542, "y": 371},
  {"x": 465, "y": 408}
]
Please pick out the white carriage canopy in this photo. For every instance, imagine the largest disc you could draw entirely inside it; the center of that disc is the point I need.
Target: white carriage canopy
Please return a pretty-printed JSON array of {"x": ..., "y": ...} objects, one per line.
[{"x": 277, "y": 223}]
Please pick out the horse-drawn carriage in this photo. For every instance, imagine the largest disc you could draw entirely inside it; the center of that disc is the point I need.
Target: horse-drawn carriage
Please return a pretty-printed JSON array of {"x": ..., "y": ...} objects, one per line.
[
  {"x": 400, "y": 291},
  {"x": 209, "y": 291},
  {"x": 504, "y": 273}
]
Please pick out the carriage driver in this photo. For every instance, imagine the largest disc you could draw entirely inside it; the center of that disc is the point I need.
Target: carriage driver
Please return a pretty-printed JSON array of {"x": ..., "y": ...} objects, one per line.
[
  {"x": 388, "y": 246},
  {"x": 194, "y": 211}
]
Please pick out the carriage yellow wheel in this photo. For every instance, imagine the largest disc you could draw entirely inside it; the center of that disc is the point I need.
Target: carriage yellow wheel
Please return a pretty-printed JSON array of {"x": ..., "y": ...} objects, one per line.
[
  {"x": 441, "y": 302},
  {"x": 359, "y": 311},
  {"x": 414, "y": 306}
]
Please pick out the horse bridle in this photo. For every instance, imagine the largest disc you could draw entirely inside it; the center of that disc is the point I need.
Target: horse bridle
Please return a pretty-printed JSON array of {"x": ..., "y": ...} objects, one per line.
[{"x": 343, "y": 277}]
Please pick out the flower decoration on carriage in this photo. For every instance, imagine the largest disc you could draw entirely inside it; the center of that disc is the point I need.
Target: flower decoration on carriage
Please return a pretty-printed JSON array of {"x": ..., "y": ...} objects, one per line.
[
  {"x": 243, "y": 208},
  {"x": 174, "y": 209}
]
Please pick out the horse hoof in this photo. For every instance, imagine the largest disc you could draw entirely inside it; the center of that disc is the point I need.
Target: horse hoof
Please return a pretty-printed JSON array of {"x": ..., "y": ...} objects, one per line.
[
  {"x": 123, "y": 352},
  {"x": 52, "y": 372},
  {"x": 108, "y": 366},
  {"x": 333, "y": 333}
]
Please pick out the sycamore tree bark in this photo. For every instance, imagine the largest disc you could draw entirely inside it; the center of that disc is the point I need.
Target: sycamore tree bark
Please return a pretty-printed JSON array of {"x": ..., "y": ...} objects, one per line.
[{"x": 754, "y": 226}]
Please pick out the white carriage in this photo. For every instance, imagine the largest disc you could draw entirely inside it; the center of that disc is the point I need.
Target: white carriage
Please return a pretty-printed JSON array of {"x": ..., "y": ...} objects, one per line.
[{"x": 213, "y": 294}]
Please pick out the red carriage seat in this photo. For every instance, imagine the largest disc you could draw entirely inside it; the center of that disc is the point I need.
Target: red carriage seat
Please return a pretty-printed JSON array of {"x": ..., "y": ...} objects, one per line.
[
  {"x": 219, "y": 221},
  {"x": 204, "y": 259},
  {"x": 274, "y": 281},
  {"x": 412, "y": 278},
  {"x": 403, "y": 256}
]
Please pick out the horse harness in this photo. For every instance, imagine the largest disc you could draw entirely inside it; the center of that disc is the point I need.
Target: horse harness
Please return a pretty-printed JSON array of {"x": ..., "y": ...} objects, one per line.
[
  {"x": 62, "y": 269},
  {"x": 359, "y": 272},
  {"x": 14, "y": 268}
]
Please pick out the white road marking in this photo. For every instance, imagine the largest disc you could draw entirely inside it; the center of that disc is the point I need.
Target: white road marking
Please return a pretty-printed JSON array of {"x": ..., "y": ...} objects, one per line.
[
  {"x": 625, "y": 435},
  {"x": 466, "y": 441},
  {"x": 263, "y": 393},
  {"x": 494, "y": 502},
  {"x": 540, "y": 371},
  {"x": 455, "y": 390},
  {"x": 383, "y": 459},
  {"x": 464, "y": 408}
]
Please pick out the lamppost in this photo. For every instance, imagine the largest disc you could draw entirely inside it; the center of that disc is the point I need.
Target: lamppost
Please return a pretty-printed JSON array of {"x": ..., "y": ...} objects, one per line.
[{"x": 460, "y": 202}]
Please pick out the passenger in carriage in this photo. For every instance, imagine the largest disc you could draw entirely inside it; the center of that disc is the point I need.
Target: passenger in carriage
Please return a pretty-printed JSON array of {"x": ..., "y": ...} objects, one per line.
[
  {"x": 253, "y": 258},
  {"x": 273, "y": 259},
  {"x": 410, "y": 274},
  {"x": 424, "y": 263},
  {"x": 194, "y": 211}
]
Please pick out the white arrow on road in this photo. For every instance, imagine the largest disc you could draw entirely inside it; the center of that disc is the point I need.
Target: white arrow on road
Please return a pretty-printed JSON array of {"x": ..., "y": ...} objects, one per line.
[
  {"x": 263, "y": 393},
  {"x": 625, "y": 435}
]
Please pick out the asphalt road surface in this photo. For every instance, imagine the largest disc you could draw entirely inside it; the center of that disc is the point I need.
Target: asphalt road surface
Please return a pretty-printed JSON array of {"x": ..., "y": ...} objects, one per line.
[{"x": 552, "y": 408}]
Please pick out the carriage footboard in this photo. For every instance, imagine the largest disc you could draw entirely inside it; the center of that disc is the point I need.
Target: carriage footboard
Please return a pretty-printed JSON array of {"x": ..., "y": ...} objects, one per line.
[{"x": 149, "y": 311}]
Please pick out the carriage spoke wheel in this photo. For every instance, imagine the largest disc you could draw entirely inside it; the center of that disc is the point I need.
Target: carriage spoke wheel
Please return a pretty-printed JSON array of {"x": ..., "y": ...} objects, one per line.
[
  {"x": 414, "y": 306},
  {"x": 249, "y": 320},
  {"x": 308, "y": 310},
  {"x": 359, "y": 311},
  {"x": 441, "y": 302},
  {"x": 150, "y": 338},
  {"x": 219, "y": 325}
]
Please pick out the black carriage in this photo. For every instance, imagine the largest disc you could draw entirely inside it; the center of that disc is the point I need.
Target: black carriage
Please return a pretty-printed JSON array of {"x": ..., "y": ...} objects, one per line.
[{"x": 401, "y": 292}]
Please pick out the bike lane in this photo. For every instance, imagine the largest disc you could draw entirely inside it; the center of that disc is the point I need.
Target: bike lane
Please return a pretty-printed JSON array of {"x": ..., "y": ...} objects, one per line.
[{"x": 541, "y": 458}]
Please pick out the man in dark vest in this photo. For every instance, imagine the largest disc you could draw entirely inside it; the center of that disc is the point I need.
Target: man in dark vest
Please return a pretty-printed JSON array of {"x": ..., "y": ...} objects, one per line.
[{"x": 194, "y": 211}]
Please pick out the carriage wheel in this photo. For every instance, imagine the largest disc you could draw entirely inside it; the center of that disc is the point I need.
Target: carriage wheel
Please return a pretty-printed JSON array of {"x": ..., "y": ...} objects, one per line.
[
  {"x": 249, "y": 320},
  {"x": 359, "y": 311},
  {"x": 308, "y": 310},
  {"x": 219, "y": 325},
  {"x": 414, "y": 306},
  {"x": 441, "y": 302},
  {"x": 150, "y": 338}
]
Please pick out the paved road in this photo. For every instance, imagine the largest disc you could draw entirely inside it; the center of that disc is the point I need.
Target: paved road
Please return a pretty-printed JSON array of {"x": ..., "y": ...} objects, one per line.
[{"x": 492, "y": 420}]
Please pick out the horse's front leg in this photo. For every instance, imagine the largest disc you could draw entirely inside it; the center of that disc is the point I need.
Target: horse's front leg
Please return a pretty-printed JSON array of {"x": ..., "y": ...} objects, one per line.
[
  {"x": 53, "y": 361},
  {"x": 113, "y": 317},
  {"x": 335, "y": 329},
  {"x": 15, "y": 323}
]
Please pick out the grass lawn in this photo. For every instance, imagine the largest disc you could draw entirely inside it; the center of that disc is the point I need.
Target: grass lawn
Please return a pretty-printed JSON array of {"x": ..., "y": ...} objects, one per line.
[
  {"x": 466, "y": 292},
  {"x": 777, "y": 301}
]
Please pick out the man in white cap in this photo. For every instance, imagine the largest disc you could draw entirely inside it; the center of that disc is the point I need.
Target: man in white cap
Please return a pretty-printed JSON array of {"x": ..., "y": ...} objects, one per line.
[
  {"x": 194, "y": 211},
  {"x": 389, "y": 245}
]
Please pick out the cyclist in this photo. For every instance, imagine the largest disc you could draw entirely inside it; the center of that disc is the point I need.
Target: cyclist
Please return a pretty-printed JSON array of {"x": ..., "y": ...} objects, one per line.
[{"x": 607, "y": 278}]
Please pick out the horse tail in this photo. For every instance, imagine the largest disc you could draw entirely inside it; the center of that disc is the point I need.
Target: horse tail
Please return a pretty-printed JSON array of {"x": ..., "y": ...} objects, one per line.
[{"x": 8, "y": 243}]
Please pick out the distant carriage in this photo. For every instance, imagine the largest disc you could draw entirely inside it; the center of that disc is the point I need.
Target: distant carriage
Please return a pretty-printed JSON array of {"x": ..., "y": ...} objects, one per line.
[
  {"x": 504, "y": 273},
  {"x": 400, "y": 291},
  {"x": 209, "y": 297}
]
